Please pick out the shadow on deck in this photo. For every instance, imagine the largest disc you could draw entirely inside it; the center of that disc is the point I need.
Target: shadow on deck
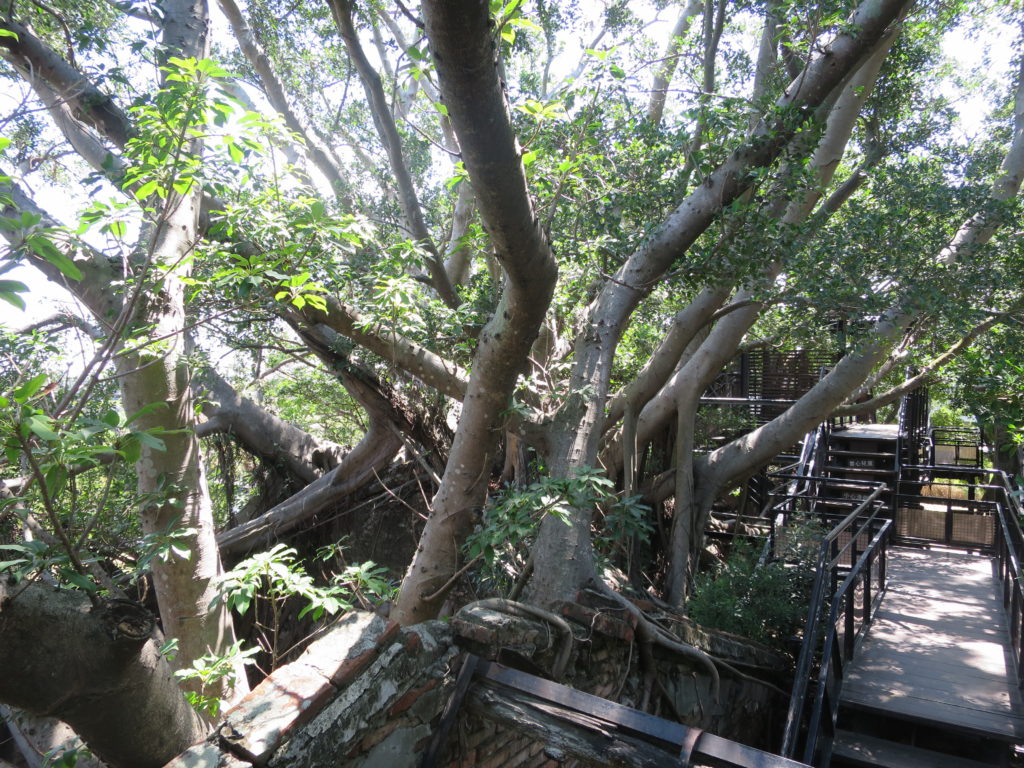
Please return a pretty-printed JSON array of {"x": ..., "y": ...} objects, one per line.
[{"x": 937, "y": 660}]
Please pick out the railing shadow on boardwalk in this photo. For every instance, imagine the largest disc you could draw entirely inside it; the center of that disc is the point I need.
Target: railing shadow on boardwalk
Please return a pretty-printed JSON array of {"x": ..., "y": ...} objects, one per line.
[{"x": 853, "y": 576}]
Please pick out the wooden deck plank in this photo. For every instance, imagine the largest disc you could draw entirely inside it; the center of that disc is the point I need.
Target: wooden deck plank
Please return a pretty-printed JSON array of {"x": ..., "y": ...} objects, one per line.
[
  {"x": 938, "y": 649},
  {"x": 866, "y": 750}
]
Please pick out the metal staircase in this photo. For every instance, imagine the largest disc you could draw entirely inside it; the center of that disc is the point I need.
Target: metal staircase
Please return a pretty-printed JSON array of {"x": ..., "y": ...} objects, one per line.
[{"x": 864, "y": 694}]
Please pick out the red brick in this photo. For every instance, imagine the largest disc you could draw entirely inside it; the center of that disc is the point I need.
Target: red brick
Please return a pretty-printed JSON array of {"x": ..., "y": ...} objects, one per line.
[
  {"x": 479, "y": 735},
  {"x": 521, "y": 757},
  {"x": 372, "y": 739},
  {"x": 496, "y": 759},
  {"x": 350, "y": 669},
  {"x": 388, "y": 634},
  {"x": 619, "y": 625},
  {"x": 285, "y": 700},
  {"x": 410, "y": 698}
]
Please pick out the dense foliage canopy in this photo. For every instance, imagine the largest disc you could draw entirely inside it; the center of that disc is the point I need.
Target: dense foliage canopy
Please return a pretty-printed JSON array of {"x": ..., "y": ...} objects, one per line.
[{"x": 513, "y": 241}]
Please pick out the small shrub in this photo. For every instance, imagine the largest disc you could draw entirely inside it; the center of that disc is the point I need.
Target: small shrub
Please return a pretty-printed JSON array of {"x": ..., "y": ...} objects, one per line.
[{"x": 766, "y": 602}]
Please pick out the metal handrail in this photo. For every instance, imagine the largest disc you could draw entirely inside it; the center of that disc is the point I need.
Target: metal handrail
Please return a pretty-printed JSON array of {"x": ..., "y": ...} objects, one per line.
[
  {"x": 830, "y": 671},
  {"x": 829, "y": 558},
  {"x": 1010, "y": 554},
  {"x": 795, "y": 486},
  {"x": 1009, "y": 547}
]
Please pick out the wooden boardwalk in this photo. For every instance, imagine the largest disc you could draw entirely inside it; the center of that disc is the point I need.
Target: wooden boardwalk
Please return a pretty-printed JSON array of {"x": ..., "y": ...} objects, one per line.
[{"x": 938, "y": 650}]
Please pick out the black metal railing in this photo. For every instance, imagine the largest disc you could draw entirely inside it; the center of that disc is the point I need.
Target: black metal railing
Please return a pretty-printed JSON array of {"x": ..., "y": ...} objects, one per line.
[
  {"x": 953, "y": 509},
  {"x": 989, "y": 520},
  {"x": 955, "y": 446},
  {"x": 913, "y": 427},
  {"x": 849, "y": 582},
  {"x": 809, "y": 496},
  {"x": 1010, "y": 554},
  {"x": 847, "y": 622}
]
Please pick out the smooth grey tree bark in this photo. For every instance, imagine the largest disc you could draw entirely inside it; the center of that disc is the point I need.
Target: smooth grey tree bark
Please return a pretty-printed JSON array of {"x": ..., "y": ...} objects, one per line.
[
  {"x": 62, "y": 656},
  {"x": 460, "y": 43}
]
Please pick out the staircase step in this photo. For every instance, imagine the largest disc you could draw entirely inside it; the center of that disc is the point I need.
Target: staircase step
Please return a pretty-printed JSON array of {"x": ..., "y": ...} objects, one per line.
[
  {"x": 834, "y": 484},
  {"x": 861, "y": 470},
  {"x": 859, "y": 749},
  {"x": 880, "y": 454}
]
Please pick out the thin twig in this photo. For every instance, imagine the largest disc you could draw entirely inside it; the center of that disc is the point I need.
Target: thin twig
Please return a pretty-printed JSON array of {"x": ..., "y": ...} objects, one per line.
[{"x": 451, "y": 582}]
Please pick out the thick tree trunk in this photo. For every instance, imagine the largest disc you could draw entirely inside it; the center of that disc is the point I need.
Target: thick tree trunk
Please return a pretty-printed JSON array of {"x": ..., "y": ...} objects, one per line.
[
  {"x": 172, "y": 481},
  {"x": 460, "y": 42},
  {"x": 61, "y": 657}
]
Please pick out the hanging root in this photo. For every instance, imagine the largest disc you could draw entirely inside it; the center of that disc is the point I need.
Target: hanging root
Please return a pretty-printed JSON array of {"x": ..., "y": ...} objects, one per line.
[
  {"x": 650, "y": 634},
  {"x": 529, "y": 611}
]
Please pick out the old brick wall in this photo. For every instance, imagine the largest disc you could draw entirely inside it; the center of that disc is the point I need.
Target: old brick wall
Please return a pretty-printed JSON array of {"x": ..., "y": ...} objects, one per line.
[
  {"x": 606, "y": 663},
  {"x": 369, "y": 693}
]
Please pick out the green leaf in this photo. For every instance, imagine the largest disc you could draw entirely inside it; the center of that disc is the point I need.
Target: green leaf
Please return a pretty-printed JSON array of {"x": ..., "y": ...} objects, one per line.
[
  {"x": 25, "y": 392},
  {"x": 47, "y": 250},
  {"x": 56, "y": 479},
  {"x": 183, "y": 185},
  {"x": 78, "y": 580},
  {"x": 149, "y": 408},
  {"x": 117, "y": 229},
  {"x": 131, "y": 449},
  {"x": 9, "y": 290},
  {"x": 40, "y": 425},
  {"x": 7, "y": 33},
  {"x": 149, "y": 440},
  {"x": 146, "y": 189}
]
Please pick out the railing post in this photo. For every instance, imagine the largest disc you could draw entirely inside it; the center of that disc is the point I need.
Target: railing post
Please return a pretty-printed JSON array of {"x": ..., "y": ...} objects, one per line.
[
  {"x": 833, "y": 553},
  {"x": 883, "y": 554},
  {"x": 867, "y": 590},
  {"x": 948, "y": 532},
  {"x": 849, "y": 633}
]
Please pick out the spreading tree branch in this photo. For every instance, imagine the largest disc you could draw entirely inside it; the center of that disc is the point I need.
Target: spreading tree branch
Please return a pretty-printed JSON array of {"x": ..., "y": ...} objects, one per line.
[{"x": 388, "y": 132}]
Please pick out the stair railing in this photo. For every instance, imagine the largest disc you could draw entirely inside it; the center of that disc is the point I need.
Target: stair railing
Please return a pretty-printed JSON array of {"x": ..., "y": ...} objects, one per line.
[{"x": 844, "y": 562}]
